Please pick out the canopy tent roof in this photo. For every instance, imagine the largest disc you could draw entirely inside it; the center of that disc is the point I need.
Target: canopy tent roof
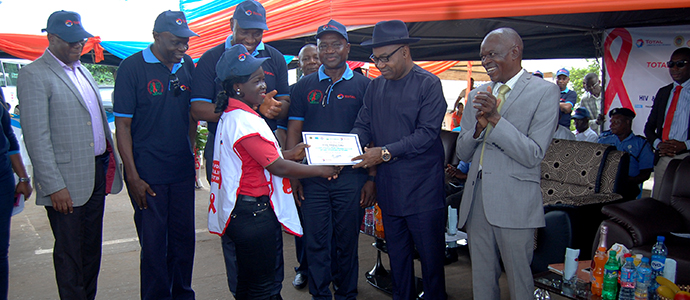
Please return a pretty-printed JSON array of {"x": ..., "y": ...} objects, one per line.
[{"x": 451, "y": 29}]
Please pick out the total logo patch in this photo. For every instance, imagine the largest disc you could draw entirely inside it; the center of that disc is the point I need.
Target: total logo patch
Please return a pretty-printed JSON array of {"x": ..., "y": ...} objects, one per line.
[
  {"x": 155, "y": 87},
  {"x": 242, "y": 57},
  {"x": 314, "y": 97},
  {"x": 341, "y": 96},
  {"x": 180, "y": 21},
  {"x": 69, "y": 23}
]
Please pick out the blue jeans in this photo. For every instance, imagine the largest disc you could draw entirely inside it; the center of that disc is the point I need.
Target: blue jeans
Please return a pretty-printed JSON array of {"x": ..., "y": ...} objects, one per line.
[{"x": 252, "y": 228}]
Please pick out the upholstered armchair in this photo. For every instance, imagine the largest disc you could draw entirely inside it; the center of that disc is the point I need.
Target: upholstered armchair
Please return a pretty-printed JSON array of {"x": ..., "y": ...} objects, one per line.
[{"x": 578, "y": 179}]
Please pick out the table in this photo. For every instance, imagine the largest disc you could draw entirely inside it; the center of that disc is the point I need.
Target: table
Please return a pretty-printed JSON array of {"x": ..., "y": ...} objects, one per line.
[{"x": 552, "y": 282}]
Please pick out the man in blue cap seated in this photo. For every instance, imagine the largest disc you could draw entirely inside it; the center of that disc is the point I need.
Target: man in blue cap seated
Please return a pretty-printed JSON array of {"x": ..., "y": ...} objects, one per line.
[
  {"x": 582, "y": 131},
  {"x": 247, "y": 24},
  {"x": 71, "y": 147},
  {"x": 568, "y": 97},
  {"x": 402, "y": 115},
  {"x": 155, "y": 136},
  {"x": 641, "y": 154}
]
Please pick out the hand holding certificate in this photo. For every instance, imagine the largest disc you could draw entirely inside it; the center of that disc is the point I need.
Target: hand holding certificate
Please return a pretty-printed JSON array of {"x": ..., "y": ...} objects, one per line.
[{"x": 332, "y": 149}]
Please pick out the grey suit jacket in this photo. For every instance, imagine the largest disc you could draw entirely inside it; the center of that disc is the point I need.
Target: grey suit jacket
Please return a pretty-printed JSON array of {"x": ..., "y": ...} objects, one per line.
[
  {"x": 58, "y": 134},
  {"x": 511, "y": 172}
]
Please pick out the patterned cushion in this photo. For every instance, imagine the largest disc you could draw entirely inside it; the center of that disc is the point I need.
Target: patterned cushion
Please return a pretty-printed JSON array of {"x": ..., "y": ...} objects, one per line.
[
  {"x": 607, "y": 183},
  {"x": 571, "y": 169}
]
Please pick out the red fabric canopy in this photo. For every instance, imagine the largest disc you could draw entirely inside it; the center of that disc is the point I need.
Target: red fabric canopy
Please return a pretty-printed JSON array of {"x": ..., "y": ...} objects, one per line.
[
  {"x": 28, "y": 46},
  {"x": 290, "y": 19}
]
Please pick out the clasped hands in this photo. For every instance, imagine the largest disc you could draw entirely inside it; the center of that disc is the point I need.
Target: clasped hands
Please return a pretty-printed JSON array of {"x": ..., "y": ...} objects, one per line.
[
  {"x": 671, "y": 147},
  {"x": 486, "y": 105}
]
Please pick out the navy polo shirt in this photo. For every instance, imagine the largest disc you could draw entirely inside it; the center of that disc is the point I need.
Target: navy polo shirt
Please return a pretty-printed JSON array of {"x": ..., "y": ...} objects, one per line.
[
  {"x": 160, "y": 120},
  {"x": 569, "y": 96},
  {"x": 327, "y": 106},
  {"x": 405, "y": 115},
  {"x": 205, "y": 88}
]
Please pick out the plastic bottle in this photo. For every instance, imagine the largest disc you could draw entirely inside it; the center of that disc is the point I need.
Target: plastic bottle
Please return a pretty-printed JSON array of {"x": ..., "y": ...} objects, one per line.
[
  {"x": 658, "y": 261},
  {"x": 644, "y": 278},
  {"x": 659, "y": 253},
  {"x": 598, "y": 271},
  {"x": 610, "y": 286},
  {"x": 627, "y": 279}
]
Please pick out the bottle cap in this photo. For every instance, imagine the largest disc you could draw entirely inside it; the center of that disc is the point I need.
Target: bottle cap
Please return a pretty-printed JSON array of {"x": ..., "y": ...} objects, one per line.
[
  {"x": 602, "y": 249},
  {"x": 629, "y": 259},
  {"x": 645, "y": 259},
  {"x": 660, "y": 238}
]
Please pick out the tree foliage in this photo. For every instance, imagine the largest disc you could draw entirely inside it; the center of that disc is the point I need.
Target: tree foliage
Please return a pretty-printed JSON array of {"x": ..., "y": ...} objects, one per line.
[
  {"x": 577, "y": 76},
  {"x": 104, "y": 75}
]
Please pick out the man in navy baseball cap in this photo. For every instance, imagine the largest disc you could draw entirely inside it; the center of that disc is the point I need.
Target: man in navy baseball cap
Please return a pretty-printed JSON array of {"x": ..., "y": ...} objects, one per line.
[
  {"x": 568, "y": 97},
  {"x": 67, "y": 26},
  {"x": 250, "y": 15},
  {"x": 174, "y": 22},
  {"x": 332, "y": 26}
]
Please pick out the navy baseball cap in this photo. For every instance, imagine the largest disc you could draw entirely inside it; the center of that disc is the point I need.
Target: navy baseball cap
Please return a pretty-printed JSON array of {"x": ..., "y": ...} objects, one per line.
[
  {"x": 236, "y": 61},
  {"x": 174, "y": 22},
  {"x": 563, "y": 71},
  {"x": 626, "y": 112},
  {"x": 538, "y": 73},
  {"x": 66, "y": 25},
  {"x": 581, "y": 113},
  {"x": 332, "y": 26},
  {"x": 250, "y": 14}
]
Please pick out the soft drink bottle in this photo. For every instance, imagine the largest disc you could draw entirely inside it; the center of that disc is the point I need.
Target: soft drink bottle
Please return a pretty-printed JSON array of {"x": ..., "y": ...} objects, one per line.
[
  {"x": 610, "y": 286},
  {"x": 598, "y": 271},
  {"x": 627, "y": 279},
  {"x": 644, "y": 278}
]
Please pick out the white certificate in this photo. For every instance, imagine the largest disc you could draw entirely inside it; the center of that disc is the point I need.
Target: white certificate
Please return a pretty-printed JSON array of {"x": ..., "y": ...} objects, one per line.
[{"x": 331, "y": 149}]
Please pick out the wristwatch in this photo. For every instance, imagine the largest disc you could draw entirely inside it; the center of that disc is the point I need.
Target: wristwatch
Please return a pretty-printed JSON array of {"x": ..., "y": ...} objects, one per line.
[
  {"x": 25, "y": 179},
  {"x": 385, "y": 154}
]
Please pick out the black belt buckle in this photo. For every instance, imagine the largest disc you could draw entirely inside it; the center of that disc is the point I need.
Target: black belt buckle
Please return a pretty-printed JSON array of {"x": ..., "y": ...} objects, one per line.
[{"x": 246, "y": 198}]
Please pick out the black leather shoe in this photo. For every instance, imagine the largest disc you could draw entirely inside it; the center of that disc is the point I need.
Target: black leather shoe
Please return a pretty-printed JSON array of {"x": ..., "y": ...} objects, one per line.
[
  {"x": 300, "y": 281},
  {"x": 451, "y": 256}
]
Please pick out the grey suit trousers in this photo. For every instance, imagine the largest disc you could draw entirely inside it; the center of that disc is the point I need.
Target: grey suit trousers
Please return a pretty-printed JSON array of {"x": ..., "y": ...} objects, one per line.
[{"x": 488, "y": 245}]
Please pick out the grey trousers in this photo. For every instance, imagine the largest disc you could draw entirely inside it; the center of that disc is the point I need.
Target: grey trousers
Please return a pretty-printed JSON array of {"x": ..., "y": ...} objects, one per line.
[{"x": 488, "y": 245}]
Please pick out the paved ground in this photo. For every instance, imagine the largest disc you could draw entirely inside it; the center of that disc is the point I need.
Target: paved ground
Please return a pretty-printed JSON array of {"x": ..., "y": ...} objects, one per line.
[{"x": 32, "y": 274}]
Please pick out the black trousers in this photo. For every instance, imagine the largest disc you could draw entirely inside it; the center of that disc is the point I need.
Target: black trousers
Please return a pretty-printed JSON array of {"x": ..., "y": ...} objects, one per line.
[
  {"x": 253, "y": 228},
  {"x": 78, "y": 239}
]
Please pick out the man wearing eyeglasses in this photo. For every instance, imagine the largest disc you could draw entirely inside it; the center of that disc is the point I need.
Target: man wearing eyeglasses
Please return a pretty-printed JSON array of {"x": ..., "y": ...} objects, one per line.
[
  {"x": 668, "y": 128},
  {"x": 247, "y": 24},
  {"x": 402, "y": 115},
  {"x": 155, "y": 136},
  {"x": 70, "y": 144},
  {"x": 328, "y": 101}
]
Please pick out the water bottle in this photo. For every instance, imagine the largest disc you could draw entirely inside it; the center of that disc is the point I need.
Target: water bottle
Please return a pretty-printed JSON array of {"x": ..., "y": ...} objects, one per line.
[
  {"x": 644, "y": 278},
  {"x": 627, "y": 279},
  {"x": 659, "y": 253},
  {"x": 610, "y": 288}
]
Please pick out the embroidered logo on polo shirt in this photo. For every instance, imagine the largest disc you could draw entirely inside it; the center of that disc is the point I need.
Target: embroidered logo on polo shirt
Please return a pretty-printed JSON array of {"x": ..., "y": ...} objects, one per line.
[
  {"x": 155, "y": 87},
  {"x": 314, "y": 97},
  {"x": 341, "y": 96}
]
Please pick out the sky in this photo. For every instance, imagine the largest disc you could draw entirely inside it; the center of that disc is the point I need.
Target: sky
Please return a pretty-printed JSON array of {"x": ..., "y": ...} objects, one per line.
[{"x": 132, "y": 20}]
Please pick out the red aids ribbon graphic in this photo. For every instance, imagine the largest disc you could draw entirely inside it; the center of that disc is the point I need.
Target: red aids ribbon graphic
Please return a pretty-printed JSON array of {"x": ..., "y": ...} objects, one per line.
[
  {"x": 616, "y": 68},
  {"x": 211, "y": 206},
  {"x": 287, "y": 188}
]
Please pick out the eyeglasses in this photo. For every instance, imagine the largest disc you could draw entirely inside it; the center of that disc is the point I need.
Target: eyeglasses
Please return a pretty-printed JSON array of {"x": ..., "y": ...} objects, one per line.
[
  {"x": 680, "y": 63},
  {"x": 384, "y": 59},
  {"x": 74, "y": 44},
  {"x": 175, "y": 85},
  {"x": 335, "y": 46}
]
